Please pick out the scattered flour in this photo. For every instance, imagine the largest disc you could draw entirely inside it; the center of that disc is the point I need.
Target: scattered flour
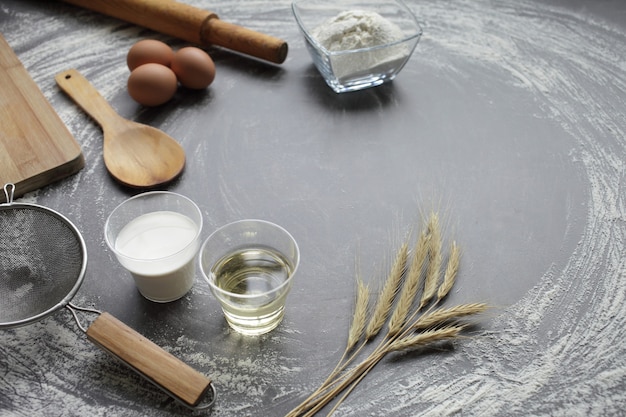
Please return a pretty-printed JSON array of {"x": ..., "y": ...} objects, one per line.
[{"x": 558, "y": 351}]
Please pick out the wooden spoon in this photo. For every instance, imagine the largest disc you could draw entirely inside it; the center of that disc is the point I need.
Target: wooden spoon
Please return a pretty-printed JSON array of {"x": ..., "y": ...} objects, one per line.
[{"x": 135, "y": 154}]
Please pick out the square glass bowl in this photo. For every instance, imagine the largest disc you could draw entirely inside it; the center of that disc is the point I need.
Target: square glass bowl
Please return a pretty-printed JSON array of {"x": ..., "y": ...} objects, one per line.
[{"x": 376, "y": 50}]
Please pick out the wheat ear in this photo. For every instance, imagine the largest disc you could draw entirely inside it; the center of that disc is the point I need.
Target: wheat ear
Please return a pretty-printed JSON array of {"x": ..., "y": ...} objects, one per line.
[
  {"x": 388, "y": 294},
  {"x": 435, "y": 261},
  {"x": 443, "y": 315},
  {"x": 411, "y": 285},
  {"x": 452, "y": 268},
  {"x": 424, "y": 338},
  {"x": 360, "y": 313}
]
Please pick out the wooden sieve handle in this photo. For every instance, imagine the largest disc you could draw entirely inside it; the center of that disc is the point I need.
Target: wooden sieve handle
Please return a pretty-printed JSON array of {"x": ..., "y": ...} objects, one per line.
[
  {"x": 189, "y": 23},
  {"x": 148, "y": 359}
]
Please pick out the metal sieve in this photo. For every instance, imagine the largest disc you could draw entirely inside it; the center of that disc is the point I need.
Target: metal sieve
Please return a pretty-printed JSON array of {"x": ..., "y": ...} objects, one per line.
[{"x": 43, "y": 259}]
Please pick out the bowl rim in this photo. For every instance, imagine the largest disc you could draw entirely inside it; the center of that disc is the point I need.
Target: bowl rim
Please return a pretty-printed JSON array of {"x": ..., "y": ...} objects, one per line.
[{"x": 318, "y": 45}]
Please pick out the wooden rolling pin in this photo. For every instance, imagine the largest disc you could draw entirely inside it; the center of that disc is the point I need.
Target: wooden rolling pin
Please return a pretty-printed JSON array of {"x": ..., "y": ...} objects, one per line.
[{"x": 189, "y": 23}]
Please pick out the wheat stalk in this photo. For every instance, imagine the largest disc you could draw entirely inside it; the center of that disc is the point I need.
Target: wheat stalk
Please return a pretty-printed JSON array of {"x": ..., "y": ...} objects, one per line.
[
  {"x": 348, "y": 382},
  {"x": 343, "y": 383},
  {"x": 354, "y": 333}
]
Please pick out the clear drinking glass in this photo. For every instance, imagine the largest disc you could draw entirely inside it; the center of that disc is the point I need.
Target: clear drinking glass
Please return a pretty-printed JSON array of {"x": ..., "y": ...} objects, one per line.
[
  {"x": 250, "y": 265},
  {"x": 156, "y": 236}
]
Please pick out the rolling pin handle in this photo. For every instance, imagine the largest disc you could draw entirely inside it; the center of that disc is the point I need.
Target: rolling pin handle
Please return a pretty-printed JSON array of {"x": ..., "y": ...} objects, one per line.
[{"x": 237, "y": 38}]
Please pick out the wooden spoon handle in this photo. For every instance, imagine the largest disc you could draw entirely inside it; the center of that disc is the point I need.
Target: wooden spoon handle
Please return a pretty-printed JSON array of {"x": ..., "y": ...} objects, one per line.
[
  {"x": 148, "y": 359},
  {"x": 191, "y": 24},
  {"x": 87, "y": 97}
]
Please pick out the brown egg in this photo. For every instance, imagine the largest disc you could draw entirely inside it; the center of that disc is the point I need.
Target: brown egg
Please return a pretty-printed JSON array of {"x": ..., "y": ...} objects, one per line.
[
  {"x": 193, "y": 67},
  {"x": 152, "y": 84},
  {"x": 149, "y": 51}
]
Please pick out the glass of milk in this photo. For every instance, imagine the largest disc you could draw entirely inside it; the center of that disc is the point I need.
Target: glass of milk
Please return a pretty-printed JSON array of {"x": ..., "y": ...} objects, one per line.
[
  {"x": 155, "y": 236},
  {"x": 249, "y": 265}
]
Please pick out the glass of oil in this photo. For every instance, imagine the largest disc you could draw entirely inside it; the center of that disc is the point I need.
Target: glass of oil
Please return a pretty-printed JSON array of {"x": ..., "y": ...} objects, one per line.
[{"x": 249, "y": 265}]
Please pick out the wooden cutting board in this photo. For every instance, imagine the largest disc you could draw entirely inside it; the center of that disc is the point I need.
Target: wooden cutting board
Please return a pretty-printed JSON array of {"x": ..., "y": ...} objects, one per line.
[{"x": 36, "y": 148}]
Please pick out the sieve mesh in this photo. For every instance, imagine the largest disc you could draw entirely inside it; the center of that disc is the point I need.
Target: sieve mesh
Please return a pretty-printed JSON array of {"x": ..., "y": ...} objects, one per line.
[{"x": 42, "y": 263}]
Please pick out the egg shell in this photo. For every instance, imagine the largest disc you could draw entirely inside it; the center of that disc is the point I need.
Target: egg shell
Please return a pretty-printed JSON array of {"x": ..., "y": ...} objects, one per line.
[
  {"x": 149, "y": 51},
  {"x": 152, "y": 84},
  {"x": 193, "y": 67}
]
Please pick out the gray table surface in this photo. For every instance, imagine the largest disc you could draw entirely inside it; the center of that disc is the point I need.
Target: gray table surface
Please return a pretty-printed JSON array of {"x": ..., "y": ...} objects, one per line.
[{"x": 508, "y": 120}]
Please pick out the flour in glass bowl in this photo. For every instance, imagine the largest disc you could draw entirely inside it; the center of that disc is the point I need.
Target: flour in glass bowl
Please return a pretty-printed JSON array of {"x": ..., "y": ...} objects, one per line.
[{"x": 358, "y": 29}]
